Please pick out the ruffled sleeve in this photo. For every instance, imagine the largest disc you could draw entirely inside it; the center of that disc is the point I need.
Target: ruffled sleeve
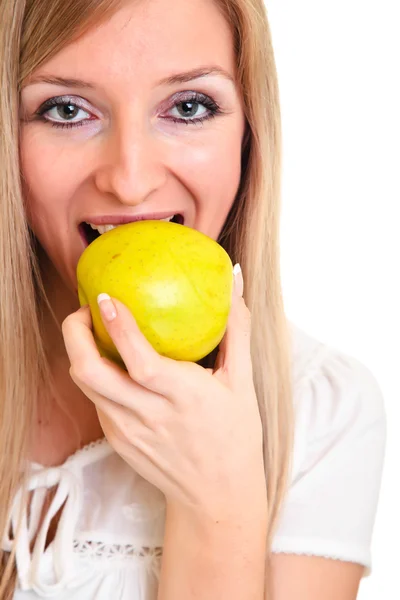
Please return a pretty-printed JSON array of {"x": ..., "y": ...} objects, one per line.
[{"x": 338, "y": 457}]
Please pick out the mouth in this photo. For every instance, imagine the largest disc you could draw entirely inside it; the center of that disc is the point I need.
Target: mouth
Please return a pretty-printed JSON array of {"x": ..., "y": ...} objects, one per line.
[{"x": 91, "y": 229}]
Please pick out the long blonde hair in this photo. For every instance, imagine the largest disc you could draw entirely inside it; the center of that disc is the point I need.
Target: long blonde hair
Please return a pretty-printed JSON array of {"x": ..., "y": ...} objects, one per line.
[{"x": 30, "y": 33}]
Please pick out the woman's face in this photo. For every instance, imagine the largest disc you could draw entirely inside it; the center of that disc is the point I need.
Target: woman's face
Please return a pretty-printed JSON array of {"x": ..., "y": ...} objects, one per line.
[{"x": 139, "y": 118}]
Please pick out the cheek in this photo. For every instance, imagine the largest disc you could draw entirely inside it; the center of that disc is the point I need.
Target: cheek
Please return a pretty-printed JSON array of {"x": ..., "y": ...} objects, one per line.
[
  {"x": 211, "y": 171},
  {"x": 49, "y": 178}
]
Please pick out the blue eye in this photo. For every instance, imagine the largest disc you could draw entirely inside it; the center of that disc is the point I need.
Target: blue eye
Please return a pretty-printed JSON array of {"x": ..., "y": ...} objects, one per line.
[
  {"x": 63, "y": 112},
  {"x": 192, "y": 108},
  {"x": 188, "y": 108}
]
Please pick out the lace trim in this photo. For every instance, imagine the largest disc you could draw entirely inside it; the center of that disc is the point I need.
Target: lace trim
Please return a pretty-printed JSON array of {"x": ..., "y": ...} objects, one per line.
[
  {"x": 87, "y": 454},
  {"x": 101, "y": 551},
  {"x": 87, "y": 448}
]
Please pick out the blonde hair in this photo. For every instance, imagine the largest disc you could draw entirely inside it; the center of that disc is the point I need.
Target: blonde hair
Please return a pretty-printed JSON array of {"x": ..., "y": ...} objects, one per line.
[{"x": 30, "y": 33}]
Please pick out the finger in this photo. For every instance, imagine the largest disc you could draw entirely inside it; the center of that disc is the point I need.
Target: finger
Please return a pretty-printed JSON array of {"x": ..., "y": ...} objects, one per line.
[
  {"x": 95, "y": 374},
  {"x": 120, "y": 428},
  {"x": 140, "y": 449},
  {"x": 157, "y": 373},
  {"x": 234, "y": 357},
  {"x": 75, "y": 327}
]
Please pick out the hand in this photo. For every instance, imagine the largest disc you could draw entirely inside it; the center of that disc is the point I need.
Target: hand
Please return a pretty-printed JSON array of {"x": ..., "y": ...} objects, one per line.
[{"x": 194, "y": 433}]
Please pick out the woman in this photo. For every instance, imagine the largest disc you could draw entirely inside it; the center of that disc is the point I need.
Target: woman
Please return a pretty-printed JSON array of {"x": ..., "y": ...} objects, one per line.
[{"x": 113, "y": 111}]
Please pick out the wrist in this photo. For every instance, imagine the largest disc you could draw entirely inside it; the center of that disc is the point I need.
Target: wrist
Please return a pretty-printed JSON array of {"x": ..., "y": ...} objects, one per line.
[
  {"x": 215, "y": 557},
  {"x": 244, "y": 511}
]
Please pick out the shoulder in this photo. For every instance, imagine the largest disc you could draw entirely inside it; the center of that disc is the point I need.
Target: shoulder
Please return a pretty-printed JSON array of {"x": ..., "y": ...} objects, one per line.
[
  {"x": 336, "y": 397},
  {"x": 329, "y": 378},
  {"x": 338, "y": 455}
]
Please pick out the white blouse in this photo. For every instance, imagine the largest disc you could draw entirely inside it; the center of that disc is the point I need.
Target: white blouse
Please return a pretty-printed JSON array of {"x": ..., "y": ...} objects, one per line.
[{"x": 109, "y": 539}]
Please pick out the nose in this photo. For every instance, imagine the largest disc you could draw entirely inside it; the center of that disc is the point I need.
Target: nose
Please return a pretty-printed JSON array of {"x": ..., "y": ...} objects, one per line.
[{"x": 132, "y": 169}]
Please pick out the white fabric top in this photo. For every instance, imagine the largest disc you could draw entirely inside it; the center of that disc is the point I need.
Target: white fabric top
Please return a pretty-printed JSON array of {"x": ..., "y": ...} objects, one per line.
[{"x": 109, "y": 538}]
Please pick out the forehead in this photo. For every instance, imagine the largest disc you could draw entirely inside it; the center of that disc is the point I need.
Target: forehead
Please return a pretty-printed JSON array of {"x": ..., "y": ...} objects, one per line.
[{"x": 151, "y": 39}]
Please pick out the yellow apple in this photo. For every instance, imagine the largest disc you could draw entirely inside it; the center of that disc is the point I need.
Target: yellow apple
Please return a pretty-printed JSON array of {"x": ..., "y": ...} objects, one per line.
[{"x": 176, "y": 281}]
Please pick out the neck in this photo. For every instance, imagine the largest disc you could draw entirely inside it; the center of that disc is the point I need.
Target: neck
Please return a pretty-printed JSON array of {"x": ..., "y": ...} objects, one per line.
[
  {"x": 62, "y": 301},
  {"x": 68, "y": 420}
]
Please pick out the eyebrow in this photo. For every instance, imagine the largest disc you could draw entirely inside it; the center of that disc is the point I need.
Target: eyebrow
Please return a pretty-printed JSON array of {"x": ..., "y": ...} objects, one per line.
[
  {"x": 171, "y": 80},
  {"x": 196, "y": 74},
  {"x": 53, "y": 80}
]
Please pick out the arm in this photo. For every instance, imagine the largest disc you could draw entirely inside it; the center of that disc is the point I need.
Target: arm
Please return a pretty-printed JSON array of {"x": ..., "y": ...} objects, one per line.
[
  {"x": 215, "y": 560},
  {"x": 331, "y": 504},
  {"x": 295, "y": 577},
  {"x": 233, "y": 567}
]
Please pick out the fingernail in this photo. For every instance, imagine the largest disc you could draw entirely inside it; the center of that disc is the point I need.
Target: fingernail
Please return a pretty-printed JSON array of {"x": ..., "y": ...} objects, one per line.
[
  {"x": 107, "y": 307},
  {"x": 238, "y": 284}
]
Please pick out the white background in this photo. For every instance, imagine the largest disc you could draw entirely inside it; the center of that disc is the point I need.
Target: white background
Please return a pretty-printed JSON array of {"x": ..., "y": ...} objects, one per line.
[{"x": 339, "y": 66}]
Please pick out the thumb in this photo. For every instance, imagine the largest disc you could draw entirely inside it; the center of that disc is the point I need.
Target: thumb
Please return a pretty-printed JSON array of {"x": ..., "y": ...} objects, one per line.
[
  {"x": 234, "y": 358},
  {"x": 238, "y": 283}
]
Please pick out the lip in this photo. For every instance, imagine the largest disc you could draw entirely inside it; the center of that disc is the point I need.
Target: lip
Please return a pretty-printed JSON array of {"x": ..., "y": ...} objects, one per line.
[{"x": 122, "y": 219}]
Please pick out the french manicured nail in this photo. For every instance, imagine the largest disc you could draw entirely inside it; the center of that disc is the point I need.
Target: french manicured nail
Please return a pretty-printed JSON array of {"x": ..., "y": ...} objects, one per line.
[
  {"x": 107, "y": 307},
  {"x": 238, "y": 284}
]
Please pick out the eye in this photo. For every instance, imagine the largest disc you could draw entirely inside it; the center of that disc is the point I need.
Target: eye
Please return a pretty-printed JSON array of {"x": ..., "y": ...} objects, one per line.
[
  {"x": 189, "y": 110},
  {"x": 63, "y": 112},
  {"x": 67, "y": 112},
  {"x": 192, "y": 107}
]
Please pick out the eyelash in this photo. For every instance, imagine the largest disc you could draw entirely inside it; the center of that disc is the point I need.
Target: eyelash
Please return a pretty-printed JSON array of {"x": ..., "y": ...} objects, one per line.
[{"x": 195, "y": 97}]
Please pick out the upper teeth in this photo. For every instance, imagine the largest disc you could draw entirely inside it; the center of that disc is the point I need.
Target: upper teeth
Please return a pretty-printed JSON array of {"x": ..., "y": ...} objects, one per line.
[{"x": 103, "y": 228}]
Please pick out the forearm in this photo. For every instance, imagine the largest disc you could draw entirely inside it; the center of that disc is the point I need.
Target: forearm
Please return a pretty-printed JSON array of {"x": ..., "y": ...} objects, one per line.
[{"x": 214, "y": 560}]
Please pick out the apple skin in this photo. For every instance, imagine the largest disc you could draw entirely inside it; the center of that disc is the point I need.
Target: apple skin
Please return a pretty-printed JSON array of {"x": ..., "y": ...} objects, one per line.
[{"x": 176, "y": 281}]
